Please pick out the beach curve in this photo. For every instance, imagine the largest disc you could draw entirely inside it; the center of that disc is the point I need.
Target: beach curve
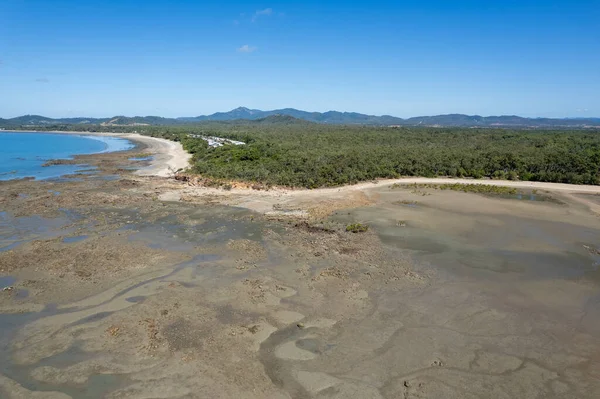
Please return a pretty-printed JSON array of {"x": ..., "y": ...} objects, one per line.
[{"x": 168, "y": 156}]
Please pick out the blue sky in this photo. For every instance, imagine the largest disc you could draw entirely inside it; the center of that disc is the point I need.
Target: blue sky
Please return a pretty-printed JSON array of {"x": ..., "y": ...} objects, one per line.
[{"x": 96, "y": 58}]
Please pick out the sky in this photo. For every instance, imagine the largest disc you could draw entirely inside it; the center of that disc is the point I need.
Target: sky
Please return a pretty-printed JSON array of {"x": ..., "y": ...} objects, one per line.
[{"x": 66, "y": 58}]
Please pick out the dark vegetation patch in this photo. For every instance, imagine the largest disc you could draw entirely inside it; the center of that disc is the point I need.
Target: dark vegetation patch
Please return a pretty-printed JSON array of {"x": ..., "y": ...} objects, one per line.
[
  {"x": 488, "y": 190},
  {"x": 466, "y": 188},
  {"x": 357, "y": 228}
]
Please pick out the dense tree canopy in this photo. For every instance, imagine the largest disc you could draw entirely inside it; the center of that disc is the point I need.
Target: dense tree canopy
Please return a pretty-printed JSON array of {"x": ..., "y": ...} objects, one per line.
[{"x": 324, "y": 155}]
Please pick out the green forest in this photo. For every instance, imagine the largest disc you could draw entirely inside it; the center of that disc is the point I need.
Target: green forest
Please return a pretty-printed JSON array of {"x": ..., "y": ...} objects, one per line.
[
  {"x": 302, "y": 154},
  {"x": 311, "y": 155}
]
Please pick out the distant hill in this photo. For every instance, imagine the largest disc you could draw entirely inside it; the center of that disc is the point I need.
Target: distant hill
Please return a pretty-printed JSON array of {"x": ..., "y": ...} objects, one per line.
[
  {"x": 282, "y": 119},
  {"x": 353, "y": 118},
  {"x": 37, "y": 120},
  {"x": 318, "y": 117},
  {"x": 42, "y": 120},
  {"x": 291, "y": 115},
  {"x": 238, "y": 113},
  {"x": 139, "y": 120},
  {"x": 498, "y": 121}
]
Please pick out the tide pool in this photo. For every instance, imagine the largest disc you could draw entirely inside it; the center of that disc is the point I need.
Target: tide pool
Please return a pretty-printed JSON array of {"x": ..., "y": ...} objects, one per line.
[{"x": 22, "y": 154}]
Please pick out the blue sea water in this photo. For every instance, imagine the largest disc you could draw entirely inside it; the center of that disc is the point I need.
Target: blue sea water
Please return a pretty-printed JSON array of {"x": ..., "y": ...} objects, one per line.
[{"x": 22, "y": 154}]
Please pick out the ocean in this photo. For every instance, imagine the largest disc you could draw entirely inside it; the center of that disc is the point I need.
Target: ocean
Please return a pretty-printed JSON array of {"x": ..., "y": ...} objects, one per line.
[{"x": 23, "y": 154}]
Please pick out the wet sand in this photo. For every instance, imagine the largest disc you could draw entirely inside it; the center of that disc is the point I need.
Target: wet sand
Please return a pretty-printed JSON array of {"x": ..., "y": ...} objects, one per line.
[{"x": 146, "y": 287}]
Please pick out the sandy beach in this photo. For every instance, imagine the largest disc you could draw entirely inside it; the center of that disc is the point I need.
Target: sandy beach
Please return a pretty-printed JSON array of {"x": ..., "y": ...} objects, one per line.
[
  {"x": 169, "y": 156},
  {"x": 117, "y": 284}
]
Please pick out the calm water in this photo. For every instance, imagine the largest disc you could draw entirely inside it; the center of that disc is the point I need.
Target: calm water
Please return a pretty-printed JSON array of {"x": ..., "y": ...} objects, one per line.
[{"x": 23, "y": 154}]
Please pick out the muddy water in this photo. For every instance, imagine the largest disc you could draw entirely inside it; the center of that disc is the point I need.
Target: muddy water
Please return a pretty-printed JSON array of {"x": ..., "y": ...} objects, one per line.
[
  {"x": 16, "y": 231},
  {"x": 514, "y": 295},
  {"x": 454, "y": 296},
  {"x": 554, "y": 249},
  {"x": 185, "y": 231},
  {"x": 97, "y": 385}
]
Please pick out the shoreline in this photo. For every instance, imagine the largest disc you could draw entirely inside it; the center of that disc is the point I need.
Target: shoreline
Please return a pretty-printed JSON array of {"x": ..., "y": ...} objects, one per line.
[{"x": 167, "y": 156}]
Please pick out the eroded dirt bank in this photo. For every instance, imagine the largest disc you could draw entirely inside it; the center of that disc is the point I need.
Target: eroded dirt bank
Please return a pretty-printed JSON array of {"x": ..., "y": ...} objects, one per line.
[{"x": 142, "y": 287}]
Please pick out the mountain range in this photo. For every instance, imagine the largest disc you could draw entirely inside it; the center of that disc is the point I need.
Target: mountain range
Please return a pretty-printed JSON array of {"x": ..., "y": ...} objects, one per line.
[{"x": 291, "y": 115}]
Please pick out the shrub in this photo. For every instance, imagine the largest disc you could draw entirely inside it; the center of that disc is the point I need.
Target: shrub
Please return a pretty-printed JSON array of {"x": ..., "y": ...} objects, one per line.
[{"x": 357, "y": 228}]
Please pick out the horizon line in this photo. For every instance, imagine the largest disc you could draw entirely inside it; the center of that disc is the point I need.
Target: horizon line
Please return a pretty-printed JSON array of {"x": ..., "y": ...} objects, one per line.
[{"x": 296, "y": 109}]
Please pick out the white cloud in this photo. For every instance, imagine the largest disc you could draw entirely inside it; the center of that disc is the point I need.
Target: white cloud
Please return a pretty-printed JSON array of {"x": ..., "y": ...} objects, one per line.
[
  {"x": 262, "y": 13},
  {"x": 246, "y": 49}
]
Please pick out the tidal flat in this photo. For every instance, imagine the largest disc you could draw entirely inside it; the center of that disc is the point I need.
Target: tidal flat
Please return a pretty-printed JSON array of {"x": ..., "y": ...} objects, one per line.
[{"x": 149, "y": 287}]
